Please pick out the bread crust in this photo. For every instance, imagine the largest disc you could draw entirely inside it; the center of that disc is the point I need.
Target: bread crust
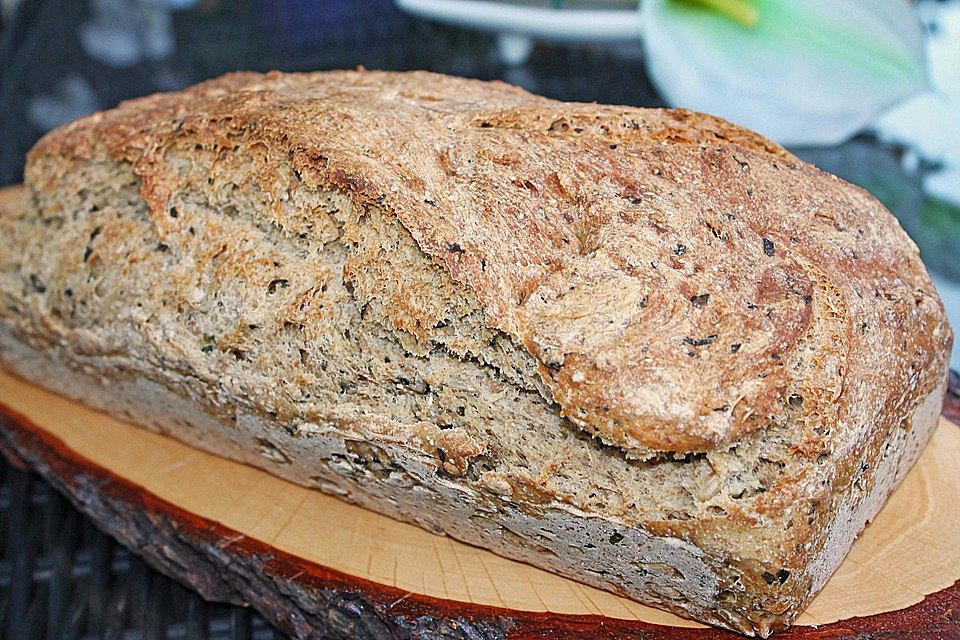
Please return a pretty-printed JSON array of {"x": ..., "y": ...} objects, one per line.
[
  {"x": 683, "y": 289},
  {"x": 585, "y": 230}
]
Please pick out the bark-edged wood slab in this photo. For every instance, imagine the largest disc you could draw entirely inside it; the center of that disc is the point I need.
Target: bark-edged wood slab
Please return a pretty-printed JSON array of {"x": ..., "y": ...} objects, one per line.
[{"x": 306, "y": 598}]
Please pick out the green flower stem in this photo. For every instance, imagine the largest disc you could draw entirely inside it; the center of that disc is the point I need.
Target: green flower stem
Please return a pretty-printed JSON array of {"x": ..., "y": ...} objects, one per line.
[{"x": 743, "y": 12}]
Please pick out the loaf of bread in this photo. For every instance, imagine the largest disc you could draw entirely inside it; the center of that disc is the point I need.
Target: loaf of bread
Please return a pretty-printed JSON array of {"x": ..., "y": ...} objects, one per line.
[{"x": 643, "y": 348}]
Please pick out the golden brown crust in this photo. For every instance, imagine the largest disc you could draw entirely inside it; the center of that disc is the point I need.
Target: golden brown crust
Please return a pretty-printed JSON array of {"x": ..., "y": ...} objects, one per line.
[{"x": 681, "y": 281}]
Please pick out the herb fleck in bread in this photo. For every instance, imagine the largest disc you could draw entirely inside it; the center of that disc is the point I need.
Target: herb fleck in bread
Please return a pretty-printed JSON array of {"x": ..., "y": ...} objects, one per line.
[{"x": 647, "y": 349}]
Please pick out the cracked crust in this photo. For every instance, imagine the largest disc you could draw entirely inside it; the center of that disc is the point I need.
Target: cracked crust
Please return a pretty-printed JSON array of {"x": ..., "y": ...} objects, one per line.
[
  {"x": 450, "y": 275},
  {"x": 587, "y": 231}
]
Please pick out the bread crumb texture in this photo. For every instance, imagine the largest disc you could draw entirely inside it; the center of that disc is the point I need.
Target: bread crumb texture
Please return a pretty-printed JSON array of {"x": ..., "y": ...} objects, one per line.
[{"x": 645, "y": 348}]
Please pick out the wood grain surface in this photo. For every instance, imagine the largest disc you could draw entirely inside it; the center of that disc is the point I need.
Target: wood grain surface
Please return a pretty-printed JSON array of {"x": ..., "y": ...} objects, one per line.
[{"x": 238, "y": 534}]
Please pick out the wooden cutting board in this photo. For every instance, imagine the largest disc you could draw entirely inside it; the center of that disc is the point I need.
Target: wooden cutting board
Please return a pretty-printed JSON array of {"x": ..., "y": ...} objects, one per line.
[{"x": 315, "y": 565}]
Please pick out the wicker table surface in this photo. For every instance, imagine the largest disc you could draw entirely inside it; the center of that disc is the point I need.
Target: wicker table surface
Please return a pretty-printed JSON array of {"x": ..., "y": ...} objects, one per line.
[{"x": 62, "y": 578}]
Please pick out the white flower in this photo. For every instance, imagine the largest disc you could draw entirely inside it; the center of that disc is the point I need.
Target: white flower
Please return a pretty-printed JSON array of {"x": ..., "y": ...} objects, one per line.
[{"x": 803, "y": 72}]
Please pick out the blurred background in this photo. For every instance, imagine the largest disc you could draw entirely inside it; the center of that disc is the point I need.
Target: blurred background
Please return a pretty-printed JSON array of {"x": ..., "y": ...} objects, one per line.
[{"x": 866, "y": 89}]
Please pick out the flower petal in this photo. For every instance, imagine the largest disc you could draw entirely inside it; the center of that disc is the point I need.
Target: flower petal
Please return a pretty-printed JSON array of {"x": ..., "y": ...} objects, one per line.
[{"x": 812, "y": 72}]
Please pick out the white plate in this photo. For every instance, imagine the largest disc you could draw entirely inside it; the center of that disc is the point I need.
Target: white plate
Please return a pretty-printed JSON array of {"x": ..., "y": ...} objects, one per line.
[{"x": 584, "y": 25}]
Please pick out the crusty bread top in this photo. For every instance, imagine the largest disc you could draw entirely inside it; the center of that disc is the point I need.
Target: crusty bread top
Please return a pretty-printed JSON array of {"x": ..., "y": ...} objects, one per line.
[{"x": 680, "y": 281}]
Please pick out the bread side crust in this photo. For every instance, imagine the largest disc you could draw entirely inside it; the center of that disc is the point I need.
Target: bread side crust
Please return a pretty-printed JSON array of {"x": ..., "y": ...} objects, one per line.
[{"x": 897, "y": 454}]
